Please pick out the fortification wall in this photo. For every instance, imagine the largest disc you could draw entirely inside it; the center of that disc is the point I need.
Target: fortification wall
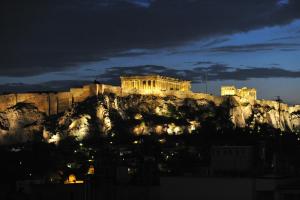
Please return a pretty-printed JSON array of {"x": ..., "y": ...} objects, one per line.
[
  {"x": 54, "y": 103},
  {"x": 40, "y": 100},
  {"x": 79, "y": 94},
  {"x": 64, "y": 101},
  {"x": 111, "y": 89},
  {"x": 216, "y": 99}
]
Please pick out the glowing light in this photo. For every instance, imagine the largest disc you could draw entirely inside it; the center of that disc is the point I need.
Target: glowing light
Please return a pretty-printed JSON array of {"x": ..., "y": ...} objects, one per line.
[
  {"x": 141, "y": 129},
  {"x": 193, "y": 126},
  {"x": 159, "y": 129},
  {"x": 91, "y": 170},
  {"x": 80, "y": 127},
  {"x": 162, "y": 141},
  {"x": 136, "y": 142},
  {"x": 54, "y": 139},
  {"x": 138, "y": 116},
  {"x": 72, "y": 180}
]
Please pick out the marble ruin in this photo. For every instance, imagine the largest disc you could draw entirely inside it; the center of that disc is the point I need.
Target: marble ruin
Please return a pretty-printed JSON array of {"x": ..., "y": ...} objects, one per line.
[
  {"x": 153, "y": 84},
  {"x": 247, "y": 93}
]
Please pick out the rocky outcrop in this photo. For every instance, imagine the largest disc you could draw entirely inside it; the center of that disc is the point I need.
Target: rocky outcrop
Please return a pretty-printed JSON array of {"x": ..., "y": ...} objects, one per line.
[
  {"x": 277, "y": 115},
  {"x": 109, "y": 114},
  {"x": 20, "y": 123}
]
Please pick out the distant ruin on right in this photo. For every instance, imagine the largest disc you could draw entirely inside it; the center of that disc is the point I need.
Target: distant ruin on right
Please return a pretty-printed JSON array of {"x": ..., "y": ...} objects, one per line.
[{"x": 247, "y": 93}]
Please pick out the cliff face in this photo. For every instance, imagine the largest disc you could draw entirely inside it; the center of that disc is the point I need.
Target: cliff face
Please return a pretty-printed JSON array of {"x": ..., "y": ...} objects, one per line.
[
  {"x": 277, "y": 115},
  {"x": 20, "y": 123},
  {"x": 140, "y": 115}
]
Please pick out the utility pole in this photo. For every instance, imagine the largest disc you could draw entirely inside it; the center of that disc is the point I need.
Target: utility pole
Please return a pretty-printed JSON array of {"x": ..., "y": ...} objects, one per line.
[
  {"x": 206, "y": 86},
  {"x": 279, "y": 100}
]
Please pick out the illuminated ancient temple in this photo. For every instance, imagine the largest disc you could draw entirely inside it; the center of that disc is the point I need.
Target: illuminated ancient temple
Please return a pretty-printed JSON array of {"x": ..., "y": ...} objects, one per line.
[
  {"x": 248, "y": 93},
  {"x": 153, "y": 84}
]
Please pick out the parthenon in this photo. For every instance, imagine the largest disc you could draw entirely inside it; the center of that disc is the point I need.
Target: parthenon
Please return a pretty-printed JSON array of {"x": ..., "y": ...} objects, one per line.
[{"x": 153, "y": 84}]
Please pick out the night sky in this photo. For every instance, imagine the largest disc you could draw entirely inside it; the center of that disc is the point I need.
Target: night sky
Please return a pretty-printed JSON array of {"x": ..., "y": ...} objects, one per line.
[{"x": 56, "y": 44}]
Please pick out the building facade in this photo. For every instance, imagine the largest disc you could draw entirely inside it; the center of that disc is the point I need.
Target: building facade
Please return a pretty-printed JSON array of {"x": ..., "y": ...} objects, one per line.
[
  {"x": 248, "y": 93},
  {"x": 153, "y": 84}
]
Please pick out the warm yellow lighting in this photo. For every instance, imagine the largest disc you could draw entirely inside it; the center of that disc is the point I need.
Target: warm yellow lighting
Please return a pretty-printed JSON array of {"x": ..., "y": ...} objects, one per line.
[
  {"x": 153, "y": 84},
  {"x": 140, "y": 129},
  {"x": 72, "y": 180},
  {"x": 136, "y": 142},
  {"x": 159, "y": 129},
  {"x": 247, "y": 93},
  {"x": 91, "y": 170},
  {"x": 138, "y": 116},
  {"x": 162, "y": 141}
]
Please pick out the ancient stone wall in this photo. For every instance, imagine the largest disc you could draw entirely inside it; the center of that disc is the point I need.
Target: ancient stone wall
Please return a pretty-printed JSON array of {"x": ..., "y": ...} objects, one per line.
[
  {"x": 64, "y": 101},
  {"x": 54, "y": 103},
  {"x": 111, "y": 89},
  {"x": 40, "y": 100}
]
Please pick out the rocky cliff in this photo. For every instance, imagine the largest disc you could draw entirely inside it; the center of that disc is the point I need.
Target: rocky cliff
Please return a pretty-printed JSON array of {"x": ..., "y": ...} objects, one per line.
[
  {"x": 20, "y": 123},
  {"x": 109, "y": 114}
]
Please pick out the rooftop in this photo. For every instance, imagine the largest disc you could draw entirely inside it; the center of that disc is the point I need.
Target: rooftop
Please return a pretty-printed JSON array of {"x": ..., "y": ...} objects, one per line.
[{"x": 152, "y": 76}]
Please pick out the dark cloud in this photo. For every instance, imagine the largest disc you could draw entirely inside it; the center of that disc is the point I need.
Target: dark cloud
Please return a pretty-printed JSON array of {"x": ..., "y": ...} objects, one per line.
[
  {"x": 244, "y": 48},
  {"x": 203, "y": 63},
  {"x": 213, "y": 72},
  {"x": 40, "y": 87},
  {"x": 52, "y": 35},
  {"x": 255, "y": 47},
  {"x": 215, "y": 42}
]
